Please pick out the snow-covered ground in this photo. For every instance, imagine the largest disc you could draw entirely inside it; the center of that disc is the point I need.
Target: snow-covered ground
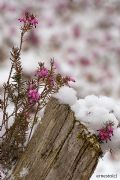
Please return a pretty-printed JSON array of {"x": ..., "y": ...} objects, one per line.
[{"x": 83, "y": 37}]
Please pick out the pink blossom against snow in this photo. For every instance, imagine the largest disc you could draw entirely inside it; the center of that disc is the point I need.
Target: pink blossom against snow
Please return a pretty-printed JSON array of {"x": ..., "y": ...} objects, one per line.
[
  {"x": 33, "y": 95},
  {"x": 42, "y": 72},
  {"x": 101, "y": 116},
  {"x": 29, "y": 20},
  {"x": 105, "y": 133}
]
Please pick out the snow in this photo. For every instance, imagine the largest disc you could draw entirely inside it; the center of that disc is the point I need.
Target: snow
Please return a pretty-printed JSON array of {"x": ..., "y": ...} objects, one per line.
[
  {"x": 95, "y": 112},
  {"x": 106, "y": 166},
  {"x": 114, "y": 144},
  {"x": 66, "y": 95}
]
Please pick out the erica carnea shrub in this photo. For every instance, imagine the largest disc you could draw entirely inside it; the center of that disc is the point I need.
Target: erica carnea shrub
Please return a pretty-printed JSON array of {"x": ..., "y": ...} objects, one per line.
[{"x": 26, "y": 97}]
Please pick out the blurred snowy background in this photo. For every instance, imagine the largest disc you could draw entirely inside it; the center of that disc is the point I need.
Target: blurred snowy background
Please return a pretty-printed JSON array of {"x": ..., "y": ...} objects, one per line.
[{"x": 83, "y": 36}]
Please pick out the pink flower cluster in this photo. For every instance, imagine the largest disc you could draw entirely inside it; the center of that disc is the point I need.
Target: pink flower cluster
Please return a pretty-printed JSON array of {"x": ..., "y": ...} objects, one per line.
[
  {"x": 105, "y": 134},
  {"x": 48, "y": 78},
  {"x": 42, "y": 72},
  {"x": 29, "y": 19},
  {"x": 33, "y": 95}
]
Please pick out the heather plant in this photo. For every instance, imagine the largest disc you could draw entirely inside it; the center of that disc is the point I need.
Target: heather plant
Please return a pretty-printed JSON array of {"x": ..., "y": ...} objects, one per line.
[
  {"x": 27, "y": 97},
  {"x": 106, "y": 132}
]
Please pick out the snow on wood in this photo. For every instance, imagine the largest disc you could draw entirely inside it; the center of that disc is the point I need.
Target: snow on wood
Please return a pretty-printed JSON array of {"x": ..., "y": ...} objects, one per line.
[{"x": 61, "y": 148}]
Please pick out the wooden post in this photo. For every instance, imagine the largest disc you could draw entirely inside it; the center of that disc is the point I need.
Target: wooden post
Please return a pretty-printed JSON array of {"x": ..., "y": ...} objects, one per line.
[{"x": 60, "y": 149}]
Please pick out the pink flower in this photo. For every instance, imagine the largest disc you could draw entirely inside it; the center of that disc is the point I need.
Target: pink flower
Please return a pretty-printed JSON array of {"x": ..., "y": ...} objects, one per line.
[
  {"x": 33, "y": 95},
  {"x": 42, "y": 72},
  {"x": 29, "y": 20},
  {"x": 33, "y": 21},
  {"x": 22, "y": 20},
  {"x": 105, "y": 134}
]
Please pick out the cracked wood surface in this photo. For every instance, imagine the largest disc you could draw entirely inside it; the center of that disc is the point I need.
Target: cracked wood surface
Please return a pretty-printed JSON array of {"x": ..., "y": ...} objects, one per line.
[{"x": 59, "y": 148}]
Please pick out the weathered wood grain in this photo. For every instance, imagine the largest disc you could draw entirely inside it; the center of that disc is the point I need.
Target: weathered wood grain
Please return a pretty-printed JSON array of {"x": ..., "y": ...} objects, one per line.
[{"x": 60, "y": 149}]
